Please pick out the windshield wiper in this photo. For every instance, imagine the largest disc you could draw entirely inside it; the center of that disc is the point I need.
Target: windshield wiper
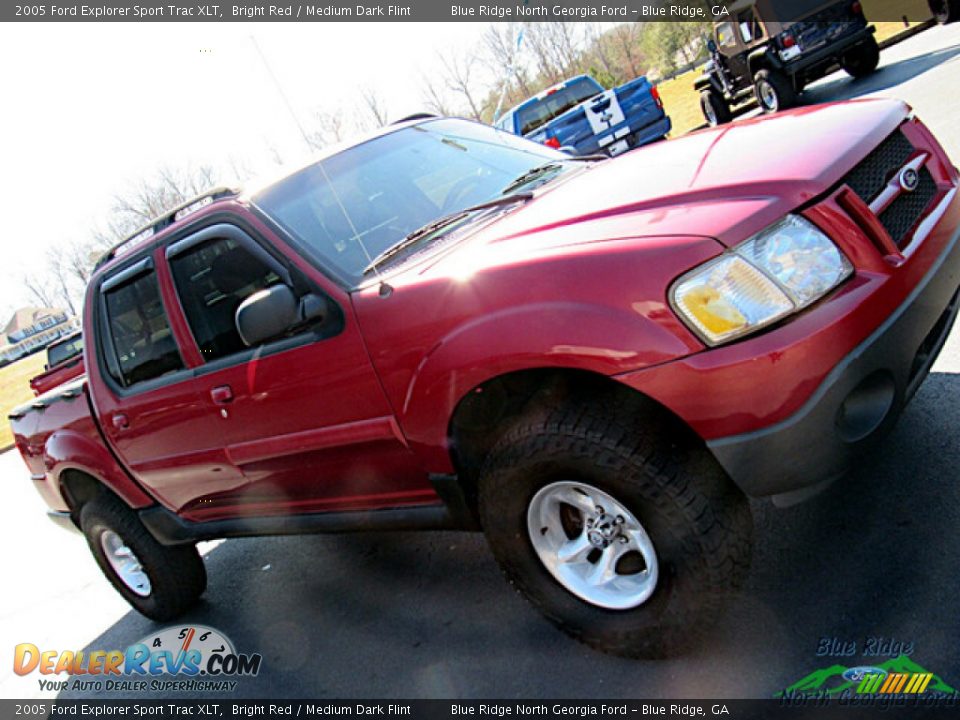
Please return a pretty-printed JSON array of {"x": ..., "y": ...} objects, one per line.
[
  {"x": 535, "y": 172},
  {"x": 442, "y": 222}
]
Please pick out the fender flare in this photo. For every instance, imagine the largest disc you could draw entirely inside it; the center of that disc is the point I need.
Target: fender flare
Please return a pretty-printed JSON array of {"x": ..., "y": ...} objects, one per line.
[
  {"x": 555, "y": 335},
  {"x": 707, "y": 81},
  {"x": 762, "y": 57}
]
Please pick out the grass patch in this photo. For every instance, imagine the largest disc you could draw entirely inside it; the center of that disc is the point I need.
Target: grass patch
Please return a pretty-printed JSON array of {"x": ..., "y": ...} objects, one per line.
[
  {"x": 682, "y": 102},
  {"x": 15, "y": 389}
]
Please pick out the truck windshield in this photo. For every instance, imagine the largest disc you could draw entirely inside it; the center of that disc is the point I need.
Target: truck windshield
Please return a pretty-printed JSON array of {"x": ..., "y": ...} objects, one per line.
[
  {"x": 350, "y": 207},
  {"x": 555, "y": 103}
]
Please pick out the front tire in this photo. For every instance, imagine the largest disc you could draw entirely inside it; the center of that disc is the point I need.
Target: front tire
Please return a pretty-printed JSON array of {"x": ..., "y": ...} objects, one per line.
[
  {"x": 626, "y": 540},
  {"x": 160, "y": 582},
  {"x": 773, "y": 91},
  {"x": 716, "y": 110},
  {"x": 862, "y": 60}
]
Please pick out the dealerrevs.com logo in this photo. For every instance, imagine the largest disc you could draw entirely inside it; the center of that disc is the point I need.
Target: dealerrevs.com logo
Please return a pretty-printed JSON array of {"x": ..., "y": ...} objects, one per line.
[{"x": 196, "y": 656}]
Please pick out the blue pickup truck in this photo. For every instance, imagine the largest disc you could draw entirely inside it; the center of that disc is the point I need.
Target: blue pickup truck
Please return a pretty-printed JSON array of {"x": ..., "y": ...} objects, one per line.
[{"x": 579, "y": 115}]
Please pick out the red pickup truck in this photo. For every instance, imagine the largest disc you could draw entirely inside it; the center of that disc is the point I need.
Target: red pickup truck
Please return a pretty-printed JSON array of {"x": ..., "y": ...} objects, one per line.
[
  {"x": 64, "y": 363},
  {"x": 446, "y": 326}
]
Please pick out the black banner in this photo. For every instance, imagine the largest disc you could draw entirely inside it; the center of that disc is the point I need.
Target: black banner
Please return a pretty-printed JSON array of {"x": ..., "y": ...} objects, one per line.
[
  {"x": 434, "y": 10},
  {"x": 875, "y": 706}
]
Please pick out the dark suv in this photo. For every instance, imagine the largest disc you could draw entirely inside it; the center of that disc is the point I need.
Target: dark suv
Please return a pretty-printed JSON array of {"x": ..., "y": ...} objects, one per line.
[{"x": 755, "y": 55}]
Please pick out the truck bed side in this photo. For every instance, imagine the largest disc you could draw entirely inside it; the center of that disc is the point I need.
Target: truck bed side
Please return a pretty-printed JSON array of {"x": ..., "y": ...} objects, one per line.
[
  {"x": 58, "y": 375},
  {"x": 61, "y": 443}
]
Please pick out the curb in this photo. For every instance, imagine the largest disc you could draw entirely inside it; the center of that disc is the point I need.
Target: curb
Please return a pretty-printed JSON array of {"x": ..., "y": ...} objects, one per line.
[{"x": 908, "y": 33}]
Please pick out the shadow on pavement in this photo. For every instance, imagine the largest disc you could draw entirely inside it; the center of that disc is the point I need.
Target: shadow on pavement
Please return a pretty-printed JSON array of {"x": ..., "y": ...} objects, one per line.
[
  {"x": 843, "y": 87},
  {"x": 429, "y": 615}
]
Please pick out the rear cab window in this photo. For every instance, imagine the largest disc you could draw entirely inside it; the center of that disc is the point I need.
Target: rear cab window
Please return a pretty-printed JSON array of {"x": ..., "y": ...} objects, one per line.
[{"x": 555, "y": 103}]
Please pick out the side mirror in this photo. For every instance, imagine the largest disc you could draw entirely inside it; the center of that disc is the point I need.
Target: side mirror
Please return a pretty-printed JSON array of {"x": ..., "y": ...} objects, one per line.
[
  {"x": 711, "y": 45},
  {"x": 274, "y": 311}
]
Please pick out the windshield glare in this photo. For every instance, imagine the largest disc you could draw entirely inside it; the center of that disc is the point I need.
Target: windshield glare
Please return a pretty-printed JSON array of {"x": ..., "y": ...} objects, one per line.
[{"x": 352, "y": 206}]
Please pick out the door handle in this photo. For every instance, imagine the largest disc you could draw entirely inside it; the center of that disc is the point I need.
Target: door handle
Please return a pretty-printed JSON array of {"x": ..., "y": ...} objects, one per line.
[
  {"x": 222, "y": 394},
  {"x": 121, "y": 421}
]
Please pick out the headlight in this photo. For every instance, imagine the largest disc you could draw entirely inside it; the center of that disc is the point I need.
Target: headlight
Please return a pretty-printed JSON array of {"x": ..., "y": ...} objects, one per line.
[{"x": 776, "y": 272}]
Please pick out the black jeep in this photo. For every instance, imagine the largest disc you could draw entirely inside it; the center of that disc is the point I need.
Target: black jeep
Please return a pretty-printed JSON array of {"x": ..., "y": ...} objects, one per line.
[{"x": 754, "y": 54}]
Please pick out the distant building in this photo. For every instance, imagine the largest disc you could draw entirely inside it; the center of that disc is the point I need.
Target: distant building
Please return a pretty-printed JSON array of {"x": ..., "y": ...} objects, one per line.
[{"x": 33, "y": 328}]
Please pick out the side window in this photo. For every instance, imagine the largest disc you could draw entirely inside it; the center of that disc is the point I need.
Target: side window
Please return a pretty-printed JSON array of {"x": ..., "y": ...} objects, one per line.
[
  {"x": 212, "y": 280},
  {"x": 750, "y": 27},
  {"x": 142, "y": 340}
]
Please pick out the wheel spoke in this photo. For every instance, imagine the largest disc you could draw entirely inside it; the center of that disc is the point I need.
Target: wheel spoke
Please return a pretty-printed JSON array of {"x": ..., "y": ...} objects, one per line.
[
  {"x": 571, "y": 496},
  {"x": 574, "y": 551},
  {"x": 125, "y": 563},
  {"x": 605, "y": 569}
]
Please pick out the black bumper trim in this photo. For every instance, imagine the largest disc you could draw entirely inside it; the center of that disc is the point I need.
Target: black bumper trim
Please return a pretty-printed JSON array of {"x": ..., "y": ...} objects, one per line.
[
  {"x": 832, "y": 52},
  {"x": 813, "y": 445}
]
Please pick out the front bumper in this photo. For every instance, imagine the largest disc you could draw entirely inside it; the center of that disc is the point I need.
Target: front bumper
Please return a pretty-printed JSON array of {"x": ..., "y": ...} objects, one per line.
[
  {"x": 858, "y": 400},
  {"x": 790, "y": 410},
  {"x": 635, "y": 136}
]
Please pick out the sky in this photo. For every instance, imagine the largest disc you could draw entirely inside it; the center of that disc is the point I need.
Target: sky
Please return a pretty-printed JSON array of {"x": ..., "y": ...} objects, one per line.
[{"x": 86, "y": 109}]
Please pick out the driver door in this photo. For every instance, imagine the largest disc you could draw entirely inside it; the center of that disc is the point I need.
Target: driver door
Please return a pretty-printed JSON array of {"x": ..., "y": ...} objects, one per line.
[{"x": 302, "y": 418}]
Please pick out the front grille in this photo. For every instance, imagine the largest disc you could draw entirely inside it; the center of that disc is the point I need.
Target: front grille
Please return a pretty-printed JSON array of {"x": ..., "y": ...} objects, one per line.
[
  {"x": 907, "y": 208},
  {"x": 872, "y": 173}
]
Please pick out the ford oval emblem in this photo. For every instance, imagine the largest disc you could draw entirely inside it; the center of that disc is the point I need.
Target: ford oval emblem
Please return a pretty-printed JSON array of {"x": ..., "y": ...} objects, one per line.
[
  {"x": 909, "y": 179},
  {"x": 855, "y": 674}
]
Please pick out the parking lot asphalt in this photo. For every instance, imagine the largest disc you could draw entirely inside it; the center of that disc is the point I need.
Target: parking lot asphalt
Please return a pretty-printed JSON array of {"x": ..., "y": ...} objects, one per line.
[{"x": 412, "y": 615}]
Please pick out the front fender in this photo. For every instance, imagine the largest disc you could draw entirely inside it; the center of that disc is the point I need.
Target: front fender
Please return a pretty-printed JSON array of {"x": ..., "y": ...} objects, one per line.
[{"x": 554, "y": 334}]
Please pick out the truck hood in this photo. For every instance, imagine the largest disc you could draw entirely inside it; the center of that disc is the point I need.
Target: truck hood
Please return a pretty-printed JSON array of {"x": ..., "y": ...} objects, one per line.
[{"x": 725, "y": 183}]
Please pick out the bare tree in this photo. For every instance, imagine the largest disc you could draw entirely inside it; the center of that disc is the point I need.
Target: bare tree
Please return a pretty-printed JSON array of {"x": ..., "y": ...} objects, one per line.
[
  {"x": 373, "y": 106},
  {"x": 626, "y": 39},
  {"x": 558, "y": 47},
  {"x": 331, "y": 127},
  {"x": 62, "y": 280},
  {"x": 435, "y": 96},
  {"x": 502, "y": 48},
  {"x": 39, "y": 290},
  {"x": 151, "y": 197},
  {"x": 457, "y": 73},
  {"x": 68, "y": 267}
]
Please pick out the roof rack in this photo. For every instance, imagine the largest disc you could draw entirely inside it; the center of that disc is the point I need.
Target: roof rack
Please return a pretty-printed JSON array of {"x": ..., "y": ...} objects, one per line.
[
  {"x": 415, "y": 116},
  {"x": 166, "y": 219}
]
